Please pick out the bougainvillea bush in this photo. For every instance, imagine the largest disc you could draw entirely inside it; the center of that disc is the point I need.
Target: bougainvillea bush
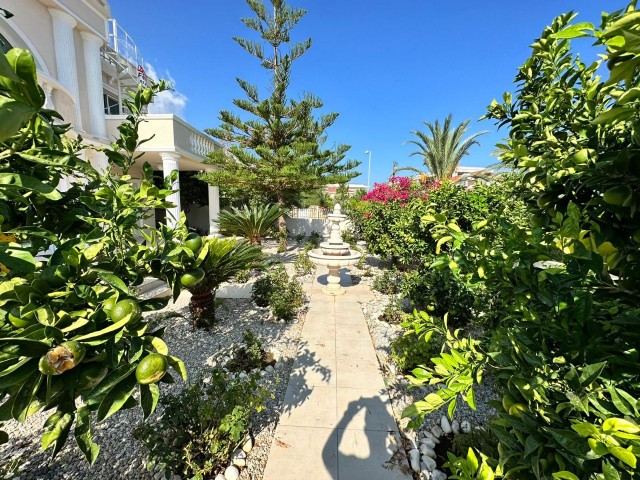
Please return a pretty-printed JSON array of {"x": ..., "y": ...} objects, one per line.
[{"x": 563, "y": 293}]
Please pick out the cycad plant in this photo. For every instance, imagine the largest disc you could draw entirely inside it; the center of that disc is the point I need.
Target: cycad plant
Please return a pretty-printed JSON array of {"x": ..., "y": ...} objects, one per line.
[
  {"x": 252, "y": 223},
  {"x": 442, "y": 148},
  {"x": 225, "y": 257}
]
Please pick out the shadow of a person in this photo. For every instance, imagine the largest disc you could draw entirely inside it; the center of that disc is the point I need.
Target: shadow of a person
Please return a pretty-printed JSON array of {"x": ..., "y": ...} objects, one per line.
[{"x": 368, "y": 445}]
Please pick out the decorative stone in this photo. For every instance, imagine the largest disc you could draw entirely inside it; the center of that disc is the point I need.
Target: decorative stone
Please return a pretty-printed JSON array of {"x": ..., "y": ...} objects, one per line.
[
  {"x": 248, "y": 444},
  {"x": 431, "y": 437},
  {"x": 232, "y": 473},
  {"x": 414, "y": 459},
  {"x": 219, "y": 477},
  {"x": 273, "y": 355},
  {"x": 437, "y": 431},
  {"x": 269, "y": 369},
  {"x": 239, "y": 458},
  {"x": 429, "y": 463},
  {"x": 465, "y": 426},
  {"x": 445, "y": 425},
  {"x": 263, "y": 373},
  {"x": 242, "y": 375},
  {"x": 438, "y": 475},
  {"x": 428, "y": 452},
  {"x": 428, "y": 442},
  {"x": 426, "y": 474},
  {"x": 455, "y": 426}
]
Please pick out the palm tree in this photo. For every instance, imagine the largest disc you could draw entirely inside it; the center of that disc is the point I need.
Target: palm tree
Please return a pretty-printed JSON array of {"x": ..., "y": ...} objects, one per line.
[
  {"x": 225, "y": 258},
  {"x": 442, "y": 148},
  {"x": 252, "y": 223}
]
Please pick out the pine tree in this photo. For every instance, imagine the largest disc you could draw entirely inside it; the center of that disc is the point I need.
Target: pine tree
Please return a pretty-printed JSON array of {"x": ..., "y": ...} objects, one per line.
[{"x": 279, "y": 153}]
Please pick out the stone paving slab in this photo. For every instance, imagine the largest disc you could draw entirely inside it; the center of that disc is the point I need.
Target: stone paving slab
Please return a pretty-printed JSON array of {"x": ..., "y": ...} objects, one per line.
[{"x": 337, "y": 422}]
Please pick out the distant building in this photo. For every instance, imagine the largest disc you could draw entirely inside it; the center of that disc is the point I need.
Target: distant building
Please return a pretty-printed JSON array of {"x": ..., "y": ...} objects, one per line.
[
  {"x": 460, "y": 172},
  {"x": 332, "y": 188}
]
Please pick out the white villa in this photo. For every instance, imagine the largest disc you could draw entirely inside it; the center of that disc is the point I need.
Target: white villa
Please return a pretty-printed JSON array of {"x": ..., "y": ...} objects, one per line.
[{"x": 86, "y": 63}]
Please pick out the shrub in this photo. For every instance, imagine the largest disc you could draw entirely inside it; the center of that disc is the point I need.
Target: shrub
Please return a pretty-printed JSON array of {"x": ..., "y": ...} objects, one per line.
[
  {"x": 252, "y": 223},
  {"x": 349, "y": 236},
  {"x": 388, "y": 282},
  {"x": 278, "y": 291},
  {"x": 242, "y": 276},
  {"x": 313, "y": 241},
  {"x": 411, "y": 350},
  {"x": 393, "y": 312},
  {"x": 202, "y": 425},
  {"x": 249, "y": 356},
  {"x": 303, "y": 265}
]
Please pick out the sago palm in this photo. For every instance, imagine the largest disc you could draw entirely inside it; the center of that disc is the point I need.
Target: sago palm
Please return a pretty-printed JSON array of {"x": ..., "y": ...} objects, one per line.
[
  {"x": 225, "y": 257},
  {"x": 442, "y": 147},
  {"x": 252, "y": 223}
]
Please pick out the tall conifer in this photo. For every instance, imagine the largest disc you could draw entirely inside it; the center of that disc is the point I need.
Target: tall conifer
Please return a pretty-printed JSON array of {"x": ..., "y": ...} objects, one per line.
[{"x": 279, "y": 152}]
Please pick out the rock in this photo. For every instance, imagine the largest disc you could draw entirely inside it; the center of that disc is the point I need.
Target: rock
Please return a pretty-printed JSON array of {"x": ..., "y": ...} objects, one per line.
[
  {"x": 159, "y": 475},
  {"x": 239, "y": 458},
  {"x": 232, "y": 473},
  {"x": 431, "y": 437},
  {"x": 242, "y": 375},
  {"x": 438, "y": 475},
  {"x": 269, "y": 369},
  {"x": 426, "y": 474},
  {"x": 445, "y": 425},
  {"x": 412, "y": 440},
  {"x": 428, "y": 442},
  {"x": 391, "y": 445},
  {"x": 455, "y": 426},
  {"x": 263, "y": 373},
  {"x": 429, "y": 463},
  {"x": 219, "y": 477},
  {"x": 437, "y": 431},
  {"x": 465, "y": 426},
  {"x": 414, "y": 459},
  {"x": 273, "y": 355},
  {"x": 428, "y": 452},
  {"x": 248, "y": 444}
]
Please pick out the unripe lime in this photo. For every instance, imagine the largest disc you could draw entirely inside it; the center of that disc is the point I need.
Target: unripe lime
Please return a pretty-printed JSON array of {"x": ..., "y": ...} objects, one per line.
[
  {"x": 193, "y": 242},
  {"x": 617, "y": 195},
  {"x": 538, "y": 220},
  {"x": 516, "y": 408},
  {"x": 192, "y": 278},
  {"x": 108, "y": 305},
  {"x": 125, "y": 307},
  {"x": 151, "y": 368},
  {"x": 507, "y": 401}
]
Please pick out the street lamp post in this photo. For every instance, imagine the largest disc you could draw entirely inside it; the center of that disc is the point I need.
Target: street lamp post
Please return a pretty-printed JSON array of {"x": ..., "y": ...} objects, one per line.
[{"x": 369, "y": 172}]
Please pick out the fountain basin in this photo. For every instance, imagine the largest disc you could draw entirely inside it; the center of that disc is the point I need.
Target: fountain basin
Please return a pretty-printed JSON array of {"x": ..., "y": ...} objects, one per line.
[{"x": 342, "y": 258}]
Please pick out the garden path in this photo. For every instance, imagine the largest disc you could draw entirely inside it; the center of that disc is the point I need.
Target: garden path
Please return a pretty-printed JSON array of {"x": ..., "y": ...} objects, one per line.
[{"x": 337, "y": 422}]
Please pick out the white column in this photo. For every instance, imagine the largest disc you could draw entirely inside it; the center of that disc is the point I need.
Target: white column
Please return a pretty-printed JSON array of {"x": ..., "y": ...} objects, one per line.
[
  {"x": 214, "y": 210},
  {"x": 48, "y": 95},
  {"x": 63, "y": 25},
  {"x": 91, "y": 44},
  {"x": 99, "y": 161},
  {"x": 169, "y": 164}
]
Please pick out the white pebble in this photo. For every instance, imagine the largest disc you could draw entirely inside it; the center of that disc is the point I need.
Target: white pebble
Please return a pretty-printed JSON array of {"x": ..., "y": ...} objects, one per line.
[
  {"x": 248, "y": 444},
  {"x": 263, "y": 373},
  {"x": 445, "y": 425},
  {"x": 391, "y": 445},
  {"x": 414, "y": 459},
  {"x": 431, "y": 437},
  {"x": 465, "y": 426},
  {"x": 242, "y": 375},
  {"x": 239, "y": 458},
  {"x": 429, "y": 463},
  {"x": 438, "y": 475},
  {"x": 437, "y": 431},
  {"x": 232, "y": 473},
  {"x": 428, "y": 452},
  {"x": 428, "y": 442},
  {"x": 269, "y": 369},
  {"x": 455, "y": 426},
  {"x": 219, "y": 477}
]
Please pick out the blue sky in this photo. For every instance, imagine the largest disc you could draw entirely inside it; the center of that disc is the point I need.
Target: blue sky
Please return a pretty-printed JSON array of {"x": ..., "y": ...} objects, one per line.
[{"x": 385, "y": 66}]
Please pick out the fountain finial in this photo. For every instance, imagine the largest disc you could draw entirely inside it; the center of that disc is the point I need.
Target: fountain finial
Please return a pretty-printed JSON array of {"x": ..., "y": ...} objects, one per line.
[{"x": 337, "y": 209}]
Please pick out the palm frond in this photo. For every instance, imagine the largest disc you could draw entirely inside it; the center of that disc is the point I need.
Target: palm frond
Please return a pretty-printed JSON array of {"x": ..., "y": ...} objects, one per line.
[{"x": 252, "y": 223}]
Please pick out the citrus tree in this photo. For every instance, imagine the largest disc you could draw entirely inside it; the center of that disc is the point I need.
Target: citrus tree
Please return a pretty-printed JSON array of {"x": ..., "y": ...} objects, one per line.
[
  {"x": 563, "y": 303},
  {"x": 73, "y": 340}
]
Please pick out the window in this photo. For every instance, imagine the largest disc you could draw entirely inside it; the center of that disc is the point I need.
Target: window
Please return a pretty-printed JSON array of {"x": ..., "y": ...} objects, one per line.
[{"x": 111, "y": 106}]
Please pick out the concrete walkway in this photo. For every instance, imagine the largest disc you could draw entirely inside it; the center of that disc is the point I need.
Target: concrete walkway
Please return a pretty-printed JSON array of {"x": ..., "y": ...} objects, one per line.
[{"x": 337, "y": 421}]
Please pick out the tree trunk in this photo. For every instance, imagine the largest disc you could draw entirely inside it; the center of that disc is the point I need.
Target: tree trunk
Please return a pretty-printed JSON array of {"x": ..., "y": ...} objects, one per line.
[
  {"x": 282, "y": 227},
  {"x": 203, "y": 309}
]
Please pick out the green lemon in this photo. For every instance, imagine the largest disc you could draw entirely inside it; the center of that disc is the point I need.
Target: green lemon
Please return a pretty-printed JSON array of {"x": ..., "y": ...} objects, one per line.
[
  {"x": 20, "y": 321},
  {"x": 545, "y": 200},
  {"x": 108, "y": 305},
  {"x": 617, "y": 195},
  {"x": 62, "y": 358},
  {"x": 151, "y": 368},
  {"x": 192, "y": 278},
  {"x": 507, "y": 401},
  {"x": 125, "y": 307},
  {"x": 538, "y": 220},
  {"x": 193, "y": 242}
]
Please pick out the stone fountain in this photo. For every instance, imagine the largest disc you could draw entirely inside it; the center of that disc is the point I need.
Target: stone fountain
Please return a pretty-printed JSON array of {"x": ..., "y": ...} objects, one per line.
[{"x": 334, "y": 254}]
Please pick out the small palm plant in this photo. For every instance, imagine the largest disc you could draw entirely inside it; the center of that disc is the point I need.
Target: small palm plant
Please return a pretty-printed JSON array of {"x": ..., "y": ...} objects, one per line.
[
  {"x": 252, "y": 223},
  {"x": 225, "y": 258}
]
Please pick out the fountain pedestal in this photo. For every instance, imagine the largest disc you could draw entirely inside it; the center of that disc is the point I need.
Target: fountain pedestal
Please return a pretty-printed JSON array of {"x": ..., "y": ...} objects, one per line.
[{"x": 334, "y": 254}]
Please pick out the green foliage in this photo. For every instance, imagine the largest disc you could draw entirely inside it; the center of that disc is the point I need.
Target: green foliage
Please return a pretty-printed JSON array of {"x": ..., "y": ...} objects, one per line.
[
  {"x": 349, "y": 236},
  {"x": 388, "y": 282},
  {"x": 469, "y": 468},
  {"x": 411, "y": 349},
  {"x": 442, "y": 149},
  {"x": 313, "y": 241},
  {"x": 221, "y": 259},
  {"x": 62, "y": 350},
  {"x": 242, "y": 276},
  {"x": 303, "y": 265},
  {"x": 251, "y": 222},
  {"x": 202, "y": 425},
  {"x": 393, "y": 312},
  {"x": 279, "y": 153},
  {"x": 562, "y": 294},
  {"x": 249, "y": 356},
  {"x": 283, "y": 294}
]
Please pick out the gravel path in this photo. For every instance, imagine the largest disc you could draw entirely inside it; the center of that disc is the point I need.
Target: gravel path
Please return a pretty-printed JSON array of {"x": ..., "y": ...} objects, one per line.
[{"x": 121, "y": 456}]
